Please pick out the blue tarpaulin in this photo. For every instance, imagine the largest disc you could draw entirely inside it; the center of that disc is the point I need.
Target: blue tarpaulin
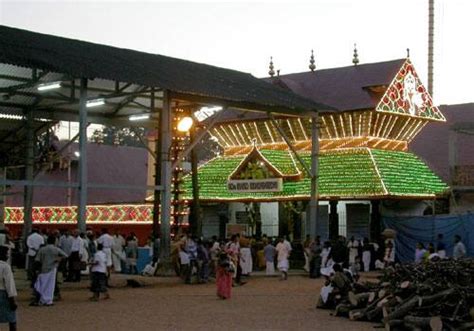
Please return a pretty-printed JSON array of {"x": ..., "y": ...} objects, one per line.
[{"x": 425, "y": 229}]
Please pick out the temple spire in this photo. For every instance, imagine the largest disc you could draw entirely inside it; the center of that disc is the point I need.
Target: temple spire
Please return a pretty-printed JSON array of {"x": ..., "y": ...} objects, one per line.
[
  {"x": 408, "y": 53},
  {"x": 312, "y": 66},
  {"x": 271, "y": 72},
  {"x": 355, "y": 59}
]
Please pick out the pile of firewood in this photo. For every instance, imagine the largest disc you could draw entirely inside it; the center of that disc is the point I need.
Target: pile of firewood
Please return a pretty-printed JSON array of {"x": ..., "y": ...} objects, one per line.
[{"x": 431, "y": 296}]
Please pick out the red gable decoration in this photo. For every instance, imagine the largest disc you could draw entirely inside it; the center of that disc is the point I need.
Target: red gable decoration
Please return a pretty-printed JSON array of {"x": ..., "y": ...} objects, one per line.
[{"x": 406, "y": 95}]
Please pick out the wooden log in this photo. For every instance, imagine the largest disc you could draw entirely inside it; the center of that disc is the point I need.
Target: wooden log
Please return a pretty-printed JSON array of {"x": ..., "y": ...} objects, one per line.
[
  {"x": 357, "y": 314},
  {"x": 342, "y": 309},
  {"x": 403, "y": 308},
  {"x": 434, "y": 323},
  {"x": 429, "y": 299},
  {"x": 465, "y": 326},
  {"x": 357, "y": 300},
  {"x": 393, "y": 324},
  {"x": 406, "y": 284}
]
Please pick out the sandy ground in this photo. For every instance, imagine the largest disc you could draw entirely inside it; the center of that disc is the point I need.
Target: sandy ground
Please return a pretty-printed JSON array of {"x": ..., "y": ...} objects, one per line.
[{"x": 167, "y": 304}]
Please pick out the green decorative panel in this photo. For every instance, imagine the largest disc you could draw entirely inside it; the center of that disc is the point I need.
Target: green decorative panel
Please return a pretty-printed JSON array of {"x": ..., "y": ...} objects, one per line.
[{"x": 346, "y": 174}]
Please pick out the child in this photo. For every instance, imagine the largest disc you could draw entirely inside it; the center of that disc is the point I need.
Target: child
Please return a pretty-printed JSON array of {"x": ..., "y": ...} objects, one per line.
[
  {"x": 99, "y": 274},
  {"x": 224, "y": 276},
  {"x": 7, "y": 291}
]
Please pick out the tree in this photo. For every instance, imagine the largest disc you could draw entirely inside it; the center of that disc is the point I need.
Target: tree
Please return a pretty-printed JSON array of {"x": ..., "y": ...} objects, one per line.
[{"x": 111, "y": 135}]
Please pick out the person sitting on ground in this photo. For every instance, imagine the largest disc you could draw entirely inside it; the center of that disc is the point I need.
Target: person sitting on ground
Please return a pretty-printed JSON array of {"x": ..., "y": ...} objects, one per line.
[
  {"x": 99, "y": 274},
  {"x": 336, "y": 289},
  {"x": 8, "y": 292},
  {"x": 420, "y": 252},
  {"x": 459, "y": 250},
  {"x": 432, "y": 253},
  {"x": 441, "y": 246}
]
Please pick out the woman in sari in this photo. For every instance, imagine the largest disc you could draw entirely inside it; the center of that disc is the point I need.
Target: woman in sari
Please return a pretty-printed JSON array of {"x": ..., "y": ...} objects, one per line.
[{"x": 224, "y": 277}]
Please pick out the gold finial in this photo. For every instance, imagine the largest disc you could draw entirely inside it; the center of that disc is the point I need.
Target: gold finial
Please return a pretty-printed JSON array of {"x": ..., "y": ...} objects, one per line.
[
  {"x": 408, "y": 53},
  {"x": 355, "y": 59},
  {"x": 254, "y": 142},
  {"x": 312, "y": 66},
  {"x": 271, "y": 72}
]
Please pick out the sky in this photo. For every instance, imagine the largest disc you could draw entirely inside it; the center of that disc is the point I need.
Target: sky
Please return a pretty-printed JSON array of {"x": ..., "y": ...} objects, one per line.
[{"x": 243, "y": 35}]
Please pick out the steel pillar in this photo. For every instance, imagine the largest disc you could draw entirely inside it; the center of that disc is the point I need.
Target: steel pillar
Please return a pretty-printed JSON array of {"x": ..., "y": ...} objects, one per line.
[
  {"x": 196, "y": 206},
  {"x": 3, "y": 175},
  {"x": 165, "y": 161},
  {"x": 81, "y": 215},
  {"x": 157, "y": 159},
  {"x": 333, "y": 220},
  {"x": 313, "y": 203},
  {"x": 29, "y": 175}
]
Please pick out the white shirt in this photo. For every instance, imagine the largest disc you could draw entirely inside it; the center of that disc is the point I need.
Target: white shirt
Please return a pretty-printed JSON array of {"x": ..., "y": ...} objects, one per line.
[
  {"x": 100, "y": 260},
  {"x": 106, "y": 240},
  {"x": 7, "y": 282},
  {"x": 34, "y": 243},
  {"x": 76, "y": 245},
  {"x": 283, "y": 251},
  {"x": 184, "y": 257},
  {"x": 118, "y": 243},
  {"x": 288, "y": 245},
  {"x": 459, "y": 250}
]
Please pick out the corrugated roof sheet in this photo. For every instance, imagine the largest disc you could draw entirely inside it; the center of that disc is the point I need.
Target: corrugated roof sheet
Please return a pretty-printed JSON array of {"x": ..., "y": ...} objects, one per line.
[
  {"x": 344, "y": 88},
  {"x": 88, "y": 60}
]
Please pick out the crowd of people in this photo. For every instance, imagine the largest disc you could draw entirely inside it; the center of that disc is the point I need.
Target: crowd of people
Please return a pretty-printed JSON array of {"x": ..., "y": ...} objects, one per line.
[
  {"x": 356, "y": 255},
  {"x": 65, "y": 256},
  {"x": 228, "y": 261},
  {"x": 435, "y": 252}
]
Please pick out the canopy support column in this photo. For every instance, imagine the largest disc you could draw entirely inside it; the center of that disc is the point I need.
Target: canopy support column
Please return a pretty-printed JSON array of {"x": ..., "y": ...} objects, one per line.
[
  {"x": 3, "y": 191},
  {"x": 196, "y": 220},
  {"x": 81, "y": 215},
  {"x": 333, "y": 220},
  {"x": 29, "y": 175},
  {"x": 164, "y": 158},
  {"x": 313, "y": 203},
  {"x": 157, "y": 159}
]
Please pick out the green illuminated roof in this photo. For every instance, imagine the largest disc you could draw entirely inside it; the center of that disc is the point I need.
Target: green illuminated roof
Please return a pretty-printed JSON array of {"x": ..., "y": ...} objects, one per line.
[{"x": 345, "y": 174}]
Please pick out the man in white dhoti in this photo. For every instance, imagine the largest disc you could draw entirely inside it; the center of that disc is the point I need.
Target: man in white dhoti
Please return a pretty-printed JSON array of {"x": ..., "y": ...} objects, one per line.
[
  {"x": 245, "y": 256},
  {"x": 48, "y": 257},
  {"x": 117, "y": 251},
  {"x": 107, "y": 242},
  {"x": 8, "y": 292},
  {"x": 283, "y": 251},
  {"x": 33, "y": 242}
]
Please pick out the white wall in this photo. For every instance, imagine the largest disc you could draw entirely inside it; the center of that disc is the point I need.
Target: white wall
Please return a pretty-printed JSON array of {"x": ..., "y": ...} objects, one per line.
[{"x": 269, "y": 216}]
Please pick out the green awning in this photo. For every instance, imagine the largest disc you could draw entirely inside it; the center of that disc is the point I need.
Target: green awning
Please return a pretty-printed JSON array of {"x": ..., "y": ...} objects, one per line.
[{"x": 354, "y": 173}]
